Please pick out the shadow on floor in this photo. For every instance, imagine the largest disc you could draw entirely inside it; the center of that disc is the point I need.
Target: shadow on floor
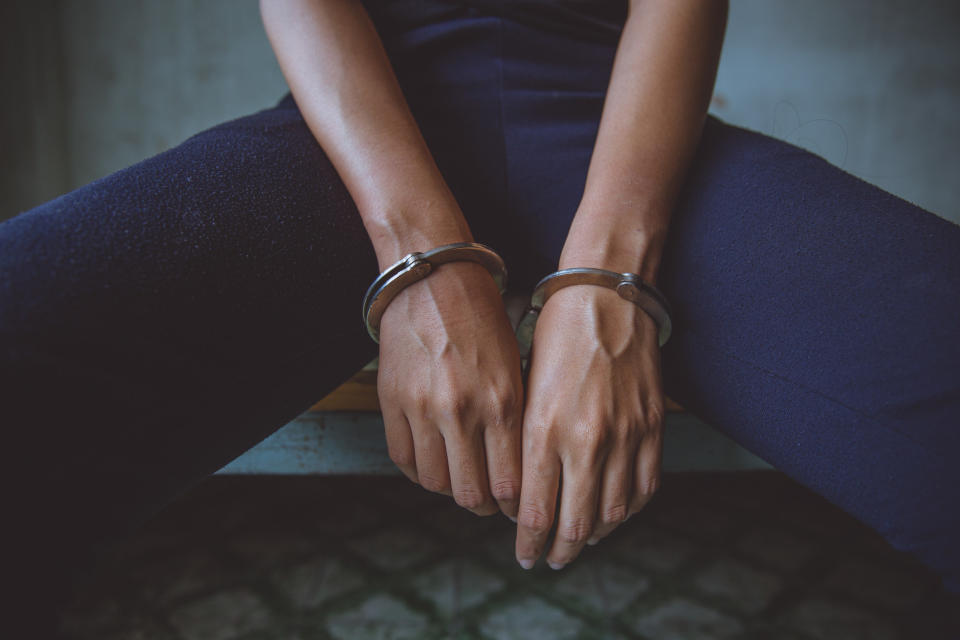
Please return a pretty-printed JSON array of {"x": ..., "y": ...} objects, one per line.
[{"x": 722, "y": 555}]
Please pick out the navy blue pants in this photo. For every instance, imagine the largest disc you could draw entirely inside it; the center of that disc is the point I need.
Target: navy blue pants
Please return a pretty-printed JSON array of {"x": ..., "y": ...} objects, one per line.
[{"x": 158, "y": 322}]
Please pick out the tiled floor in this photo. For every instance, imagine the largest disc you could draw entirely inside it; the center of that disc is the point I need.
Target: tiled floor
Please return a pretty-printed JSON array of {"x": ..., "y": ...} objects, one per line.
[{"x": 736, "y": 555}]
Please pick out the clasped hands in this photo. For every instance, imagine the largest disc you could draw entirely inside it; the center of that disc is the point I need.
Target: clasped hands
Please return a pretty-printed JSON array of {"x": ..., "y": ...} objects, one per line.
[{"x": 589, "y": 429}]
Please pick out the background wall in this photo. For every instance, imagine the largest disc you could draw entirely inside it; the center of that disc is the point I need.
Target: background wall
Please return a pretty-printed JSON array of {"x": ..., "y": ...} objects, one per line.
[{"x": 91, "y": 86}]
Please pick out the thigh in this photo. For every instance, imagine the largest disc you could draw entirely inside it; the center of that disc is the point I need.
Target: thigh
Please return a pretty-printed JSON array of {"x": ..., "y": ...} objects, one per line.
[
  {"x": 816, "y": 316},
  {"x": 158, "y": 322},
  {"x": 817, "y": 321}
]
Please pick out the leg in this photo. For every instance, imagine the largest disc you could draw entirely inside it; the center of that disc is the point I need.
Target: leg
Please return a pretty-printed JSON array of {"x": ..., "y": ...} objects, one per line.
[
  {"x": 817, "y": 317},
  {"x": 158, "y": 322},
  {"x": 818, "y": 323}
]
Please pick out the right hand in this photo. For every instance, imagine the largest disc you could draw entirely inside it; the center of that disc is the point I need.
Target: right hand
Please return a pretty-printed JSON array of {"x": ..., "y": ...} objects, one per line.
[{"x": 450, "y": 388}]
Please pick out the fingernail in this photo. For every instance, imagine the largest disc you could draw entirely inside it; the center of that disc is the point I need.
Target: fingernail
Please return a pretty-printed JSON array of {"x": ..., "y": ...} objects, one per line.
[
  {"x": 593, "y": 541},
  {"x": 526, "y": 563},
  {"x": 556, "y": 566}
]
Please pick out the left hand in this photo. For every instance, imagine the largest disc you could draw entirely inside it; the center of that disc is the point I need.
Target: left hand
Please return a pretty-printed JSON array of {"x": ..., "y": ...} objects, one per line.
[{"x": 594, "y": 411}]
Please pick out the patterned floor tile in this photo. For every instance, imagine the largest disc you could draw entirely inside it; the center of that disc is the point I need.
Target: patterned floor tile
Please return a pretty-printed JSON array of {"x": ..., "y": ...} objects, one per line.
[
  {"x": 456, "y": 585},
  {"x": 602, "y": 586},
  {"x": 222, "y": 616},
  {"x": 316, "y": 580},
  {"x": 529, "y": 618},
  {"x": 744, "y": 588},
  {"x": 182, "y": 573},
  {"x": 251, "y": 559},
  {"x": 381, "y": 617},
  {"x": 683, "y": 619}
]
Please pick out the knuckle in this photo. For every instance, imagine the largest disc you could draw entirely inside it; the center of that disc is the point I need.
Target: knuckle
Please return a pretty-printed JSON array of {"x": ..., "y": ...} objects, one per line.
[
  {"x": 506, "y": 399},
  {"x": 433, "y": 482},
  {"x": 625, "y": 433},
  {"x": 401, "y": 457},
  {"x": 649, "y": 486},
  {"x": 591, "y": 441},
  {"x": 419, "y": 404},
  {"x": 654, "y": 414},
  {"x": 534, "y": 519},
  {"x": 453, "y": 405},
  {"x": 505, "y": 490},
  {"x": 504, "y": 413},
  {"x": 614, "y": 514},
  {"x": 468, "y": 497},
  {"x": 576, "y": 531},
  {"x": 536, "y": 433}
]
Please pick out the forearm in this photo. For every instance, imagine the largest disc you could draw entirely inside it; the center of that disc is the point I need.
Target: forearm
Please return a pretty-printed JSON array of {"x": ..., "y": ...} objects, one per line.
[
  {"x": 656, "y": 103},
  {"x": 344, "y": 85}
]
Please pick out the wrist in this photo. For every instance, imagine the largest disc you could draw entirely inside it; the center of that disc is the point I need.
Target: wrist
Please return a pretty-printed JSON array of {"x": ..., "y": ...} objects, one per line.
[
  {"x": 622, "y": 249},
  {"x": 399, "y": 229}
]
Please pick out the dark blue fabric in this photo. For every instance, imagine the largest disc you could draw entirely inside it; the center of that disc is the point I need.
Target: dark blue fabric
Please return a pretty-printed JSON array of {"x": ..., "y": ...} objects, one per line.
[{"x": 158, "y": 322}]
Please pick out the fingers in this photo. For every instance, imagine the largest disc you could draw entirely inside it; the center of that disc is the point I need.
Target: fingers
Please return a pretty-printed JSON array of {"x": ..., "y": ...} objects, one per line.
[
  {"x": 400, "y": 441},
  {"x": 482, "y": 443},
  {"x": 468, "y": 471},
  {"x": 431, "y": 457},
  {"x": 647, "y": 471},
  {"x": 449, "y": 361},
  {"x": 502, "y": 443},
  {"x": 538, "y": 496},
  {"x": 503, "y": 467},
  {"x": 578, "y": 510},
  {"x": 479, "y": 467},
  {"x": 616, "y": 487}
]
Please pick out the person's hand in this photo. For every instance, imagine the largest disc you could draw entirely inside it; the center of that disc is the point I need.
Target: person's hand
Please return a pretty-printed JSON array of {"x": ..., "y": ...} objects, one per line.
[
  {"x": 450, "y": 388},
  {"x": 593, "y": 417}
]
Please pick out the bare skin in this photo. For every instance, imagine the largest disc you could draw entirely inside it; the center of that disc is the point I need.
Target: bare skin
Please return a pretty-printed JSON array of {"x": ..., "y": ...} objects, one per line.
[
  {"x": 596, "y": 413},
  {"x": 449, "y": 382}
]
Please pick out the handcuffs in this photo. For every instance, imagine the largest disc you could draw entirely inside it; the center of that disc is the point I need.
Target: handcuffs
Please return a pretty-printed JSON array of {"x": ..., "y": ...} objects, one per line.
[{"x": 418, "y": 265}]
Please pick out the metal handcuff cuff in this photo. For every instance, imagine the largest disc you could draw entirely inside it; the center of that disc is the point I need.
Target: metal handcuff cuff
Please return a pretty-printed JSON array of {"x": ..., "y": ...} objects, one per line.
[
  {"x": 628, "y": 285},
  {"x": 417, "y": 266}
]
